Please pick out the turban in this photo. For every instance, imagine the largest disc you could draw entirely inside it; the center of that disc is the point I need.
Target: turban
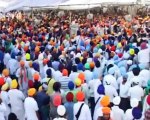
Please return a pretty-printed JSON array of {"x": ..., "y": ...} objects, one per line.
[
  {"x": 69, "y": 97},
  {"x": 92, "y": 64},
  {"x": 87, "y": 66},
  {"x": 57, "y": 100},
  {"x": 61, "y": 110},
  {"x": 82, "y": 77},
  {"x": 6, "y": 72},
  {"x": 106, "y": 110},
  {"x": 105, "y": 101},
  {"x": 148, "y": 99},
  {"x": 71, "y": 85},
  {"x": 5, "y": 87},
  {"x": 116, "y": 100},
  {"x": 65, "y": 72},
  {"x": 131, "y": 51},
  {"x": 27, "y": 56},
  {"x": 143, "y": 45},
  {"x": 101, "y": 89},
  {"x": 78, "y": 82},
  {"x": 2, "y": 81},
  {"x": 80, "y": 66},
  {"x": 36, "y": 76},
  {"x": 14, "y": 84},
  {"x": 80, "y": 96},
  {"x": 31, "y": 92},
  {"x": 137, "y": 113}
]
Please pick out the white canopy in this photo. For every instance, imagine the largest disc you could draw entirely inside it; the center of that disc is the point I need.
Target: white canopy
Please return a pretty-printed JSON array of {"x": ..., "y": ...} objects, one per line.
[
  {"x": 9, "y": 5},
  {"x": 85, "y": 4},
  {"x": 77, "y": 4}
]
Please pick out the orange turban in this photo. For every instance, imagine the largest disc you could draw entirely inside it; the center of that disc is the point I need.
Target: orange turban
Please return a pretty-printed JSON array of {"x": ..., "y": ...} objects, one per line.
[
  {"x": 82, "y": 77},
  {"x": 92, "y": 64},
  {"x": 80, "y": 96},
  {"x": 31, "y": 92},
  {"x": 105, "y": 101},
  {"x": 106, "y": 110},
  {"x": 36, "y": 76},
  {"x": 65, "y": 72},
  {"x": 5, "y": 72}
]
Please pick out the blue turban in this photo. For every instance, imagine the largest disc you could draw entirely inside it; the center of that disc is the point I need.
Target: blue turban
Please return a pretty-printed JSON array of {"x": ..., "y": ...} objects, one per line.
[
  {"x": 36, "y": 66},
  {"x": 80, "y": 66},
  {"x": 71, "y": 85},
  {"x": 137, "y": 113},
  {"x": 101, "y": 89}
]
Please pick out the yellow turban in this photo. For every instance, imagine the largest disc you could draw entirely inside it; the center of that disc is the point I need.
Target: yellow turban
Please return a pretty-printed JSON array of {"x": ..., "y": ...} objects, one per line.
[
  {"x": 131, "y": 51},
  {"x": 5, "y": 87},
  {"x": 78, "y": 82},
  {"x": 14, "y": 84},
  {"x": 27, "y": 56},
  {"x": 31, "y": 92}
]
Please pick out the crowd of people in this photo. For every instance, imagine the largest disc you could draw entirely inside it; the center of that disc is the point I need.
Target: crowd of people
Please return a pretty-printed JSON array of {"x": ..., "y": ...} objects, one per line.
[{"x": 74, "y": 67}]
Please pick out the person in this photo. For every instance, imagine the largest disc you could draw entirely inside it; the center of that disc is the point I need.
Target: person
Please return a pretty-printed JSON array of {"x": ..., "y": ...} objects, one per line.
[
  {"x": 123, "y": 93},
  {"x": 43, "y": 68},
  {"x": 2, "y": 110},
  {"x": 146, "y": 52},
  {"x": 74, "y": 74},
  {"x": 64, "y": 80},
  {"x": 104, "y": 102},
  {"x": 81, "y": 110},
  {"x": 31, "y": 106},
  {"x": 6, "y": 76},
  {"x": 22, "y": 74},
  {"x": 5, "y": 98},
  {"x": 110, "y": 91},
  {"x": 61, "y": 110},
  {"x": 128, "y": 114},
  {"x": 136, "y": 92},
  {"x": 117, "y": 113},
  {"x": 146, "y": 103},
  {"x": 41, "y": 99},
  {"x": 37, "y": 83},
  {"x": 69, "y": 105},
  {"x": 136, "y": 77},
  {"x": 88, "y": 74},
  {"x": 56, "y": 100},
  {"x": 13, "y": 64},
  {"x": 16, "y": 98}
]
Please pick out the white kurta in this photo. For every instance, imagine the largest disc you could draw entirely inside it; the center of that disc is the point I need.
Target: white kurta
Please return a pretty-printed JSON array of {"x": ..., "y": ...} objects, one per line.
[
  {"x": 2, "y": 111},
  {"x": 85, "y": 111},
  {"x": 5, "y": 99},
  {"x": 16, "y": 100},
  {"x": 136, "y": 92},
  {"x": 30, "y": 108},
  {"x": 13, "y": 65}
]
